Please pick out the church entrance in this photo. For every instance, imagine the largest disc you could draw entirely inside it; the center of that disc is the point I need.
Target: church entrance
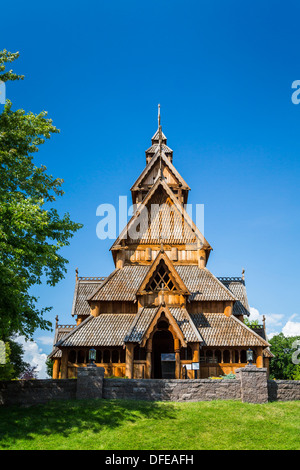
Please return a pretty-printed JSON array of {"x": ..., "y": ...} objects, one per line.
[{"x": 162, "y": 343}]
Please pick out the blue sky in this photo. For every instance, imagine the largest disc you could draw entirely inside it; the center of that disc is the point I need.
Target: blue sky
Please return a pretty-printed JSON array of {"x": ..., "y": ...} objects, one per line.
[{"x": 222, "y": 72}]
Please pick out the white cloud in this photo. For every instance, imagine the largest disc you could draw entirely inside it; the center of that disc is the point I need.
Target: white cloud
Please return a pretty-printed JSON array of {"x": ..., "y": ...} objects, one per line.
[
  {"x": 46, "y": 340},
  {"x": 34, "y": 356},
  {"x": 291, "y": 328},
  {"x": 270, "y": 335},
  {"x": 276, "y": 321},
  {"x": 255, "y": 315}
]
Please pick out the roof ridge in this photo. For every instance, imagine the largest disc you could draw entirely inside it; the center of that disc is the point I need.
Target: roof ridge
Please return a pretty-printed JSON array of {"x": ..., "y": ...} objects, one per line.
[
  {"x": 220, "y": 283},
  {"x": 231, "y": 279},
  {"x": 193, "y": 326},
  {"x": 103, "y": 283},
  {"x": 77, "y": 327},
  {"x": 249, "y": 329}
]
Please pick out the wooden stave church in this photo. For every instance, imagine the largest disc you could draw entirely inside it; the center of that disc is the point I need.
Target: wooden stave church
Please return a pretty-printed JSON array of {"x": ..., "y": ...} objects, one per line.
[{"x": 161, "y": 298}]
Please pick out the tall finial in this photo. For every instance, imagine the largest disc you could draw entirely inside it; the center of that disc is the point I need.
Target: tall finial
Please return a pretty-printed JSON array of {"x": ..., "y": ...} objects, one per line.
[
  {"x": 76, "y": 274},
  {"x": 56, "y": 321},
  {"x": 160, "y": 143},
  {"x": 158, "y": 115},
  {"x": 243, "y": 274}
]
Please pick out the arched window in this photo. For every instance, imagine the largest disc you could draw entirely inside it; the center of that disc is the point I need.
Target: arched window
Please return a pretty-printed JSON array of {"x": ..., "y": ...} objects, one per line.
[
  {"x": 186, "y": 354},
  {"x": 123, "y": 355},
  {"x": 226, "y": 356},
  {"x": 243, "y": 356},
  {"x": 115, "y": 356},
  {"x": 218, "y": 355},
  {"x": 139, "y": 353},
  {"x": 98, "y": 356},
  {"x": 80, "y": 356},
  {"x": 72, "y": 356},
  {"x": 236, "y": 356},
  {"x": 209, "y": 356},
  {"x": 106, "y": 356}
]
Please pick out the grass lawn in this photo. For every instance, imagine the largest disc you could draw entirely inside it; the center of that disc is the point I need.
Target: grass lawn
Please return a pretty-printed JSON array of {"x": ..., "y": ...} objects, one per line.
[{"x": 120, "y": 425}]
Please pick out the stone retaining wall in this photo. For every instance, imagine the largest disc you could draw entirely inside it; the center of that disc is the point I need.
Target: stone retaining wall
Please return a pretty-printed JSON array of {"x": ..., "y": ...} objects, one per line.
[
  {"x": 30, "y": 392},
  {"x": 172, "y": 390},
  {"x": 284, "y": 390},
  {"x": 251, "y": 385}
]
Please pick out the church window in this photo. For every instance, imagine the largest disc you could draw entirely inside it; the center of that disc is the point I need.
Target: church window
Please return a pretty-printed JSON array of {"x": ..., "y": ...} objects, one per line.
[
  {"x": 161, "y": 280},
  {"x": 115, "y": 356}
]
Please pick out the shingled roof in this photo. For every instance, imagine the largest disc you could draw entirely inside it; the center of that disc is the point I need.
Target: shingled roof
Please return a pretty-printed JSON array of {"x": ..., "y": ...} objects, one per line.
[
  {"x": 61, "y": 332},
  {"x": 211, "y": 329},
  {"x": 123, "y": 284},
  {"x": 84, "y": 288},
  {"x": 108, "y": 329},
  {"x": 202, "y": 284},
  {"x": 237, "y": 286},
  {"x": 217, "y": 329},
  {"x": 145, "y": 316},
  {"x": 183, "y": 230}
]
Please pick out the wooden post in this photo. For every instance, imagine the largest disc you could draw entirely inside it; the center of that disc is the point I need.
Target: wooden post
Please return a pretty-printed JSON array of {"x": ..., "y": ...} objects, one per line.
[
  {"x": 64, "y": 364},
  {"x": 129, "y": 360},
  {"x": 56, "y": 366},
  {"x": 201, "y": 259},
  {"x": 177, "y": 358},
  {"x": 149, "y": 358},
  {"x": 195, "y": 351},
  {"x": 95, "y": 309}
]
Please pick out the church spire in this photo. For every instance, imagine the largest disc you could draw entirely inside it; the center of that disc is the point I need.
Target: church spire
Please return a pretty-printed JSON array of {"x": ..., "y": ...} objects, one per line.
[{"x": 160, "y": 144}]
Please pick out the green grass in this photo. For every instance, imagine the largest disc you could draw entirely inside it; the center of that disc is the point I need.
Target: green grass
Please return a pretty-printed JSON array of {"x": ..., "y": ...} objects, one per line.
[{"x": 120, "y": 425}]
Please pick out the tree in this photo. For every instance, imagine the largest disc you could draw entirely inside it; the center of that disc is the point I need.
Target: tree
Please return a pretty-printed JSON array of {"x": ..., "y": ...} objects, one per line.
[
  {"x": 49, "y": 367},
  {"x": 282, "y": 366},
  {"x": 29, "y": 373},
  {"x": 31, "y": 231},
  {"x": 7, "y": 369}
]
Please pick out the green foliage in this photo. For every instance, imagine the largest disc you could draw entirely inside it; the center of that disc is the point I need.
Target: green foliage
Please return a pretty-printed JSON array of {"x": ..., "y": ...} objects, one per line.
[
  {"x": 6, "y": 57},
  {"x": 7, "y": 369},
  {"x": 31, "y": 231},
  {"x": 49, "y": 367},
  {"x": 281, "y": 366},
  {"x": 228, "y": 376},
  {"x": 250, "y": 324},
  {"x": 15, "y": 365},
  {"x": 296, "y": 373}
]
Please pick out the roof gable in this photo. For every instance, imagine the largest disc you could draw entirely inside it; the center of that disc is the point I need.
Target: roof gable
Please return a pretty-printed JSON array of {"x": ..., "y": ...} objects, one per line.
[
  {"x": 157, "y": 224},
  {"x": 162, "y": 258},
  {"x": 151, "y": 166},
  {"x": 84, "y": 287}
]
